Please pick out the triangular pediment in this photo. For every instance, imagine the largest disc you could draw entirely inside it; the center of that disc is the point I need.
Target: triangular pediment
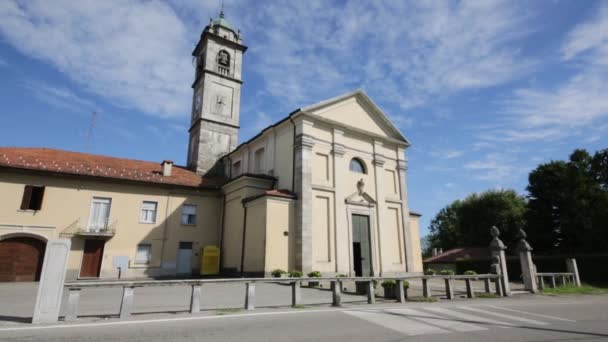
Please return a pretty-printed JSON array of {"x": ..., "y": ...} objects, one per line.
[{"x": 356, "y": 109}]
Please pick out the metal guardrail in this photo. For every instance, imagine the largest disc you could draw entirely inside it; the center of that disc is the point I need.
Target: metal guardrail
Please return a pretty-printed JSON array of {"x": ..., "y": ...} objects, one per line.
[
  {"x": 565, "y": 277},
  {"x": 128, "y": 287}
]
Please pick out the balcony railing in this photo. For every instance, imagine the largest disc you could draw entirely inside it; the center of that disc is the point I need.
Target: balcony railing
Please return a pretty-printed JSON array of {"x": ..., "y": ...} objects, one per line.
[
  {"x": 106, "y": 228},
  {"x": 222, "y": 70}
]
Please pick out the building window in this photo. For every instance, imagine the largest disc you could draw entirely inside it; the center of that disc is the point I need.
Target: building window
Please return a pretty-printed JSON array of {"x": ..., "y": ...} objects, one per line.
[
  {"x": 100, "y": 214},
  {"x": 148, "y": 212},
  {"x": 236, "y": 168},
  {"x": 32, "y": 197},
  {"x": 259, "y": 161},
  {"x": 144, "y": 254},
  {"x": 357, "y": 165},
  {"x": 189, "y": 214}
]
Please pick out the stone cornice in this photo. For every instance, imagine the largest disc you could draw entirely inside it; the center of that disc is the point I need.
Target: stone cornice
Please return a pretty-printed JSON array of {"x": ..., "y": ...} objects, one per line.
[
  {"x": 304, "y": 141},
  {"x": 338, "y": 149},
  {"x": 379, "y": 160},
  {"x": 402, "y": 165}
]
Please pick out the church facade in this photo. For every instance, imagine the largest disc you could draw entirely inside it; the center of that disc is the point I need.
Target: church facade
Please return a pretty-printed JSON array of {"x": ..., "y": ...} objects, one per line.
[{"x": 324, "y": 189}]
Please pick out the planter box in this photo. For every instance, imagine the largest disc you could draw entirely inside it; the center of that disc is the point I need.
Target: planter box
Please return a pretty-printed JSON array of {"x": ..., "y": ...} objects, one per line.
[{"x": 313, "y": 284}]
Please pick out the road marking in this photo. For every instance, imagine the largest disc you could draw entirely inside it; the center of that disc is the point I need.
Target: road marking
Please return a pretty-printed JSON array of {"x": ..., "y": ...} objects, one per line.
[
  {"x": 533, "y": 314},
  {"x": 400, "y": 324},
  {"x": 437, "y": 320},
  {"x": 513, "y": 318},
  {"x": 469, "y": 318}
]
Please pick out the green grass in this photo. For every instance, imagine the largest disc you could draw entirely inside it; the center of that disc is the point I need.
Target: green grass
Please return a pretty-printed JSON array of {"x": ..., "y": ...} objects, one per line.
[
  {"x": 227, "y": 311},
  {"x": 487, "y": 295},
  {"x": 584, "y": 289},
  {"x": 422, "y": 299}
]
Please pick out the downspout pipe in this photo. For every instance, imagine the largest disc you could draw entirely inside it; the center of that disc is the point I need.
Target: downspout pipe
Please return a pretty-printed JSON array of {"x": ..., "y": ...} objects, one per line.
[
  {"x": 223, "y": 224},
  {"x": 243, "y": 239},
  {"x": 293, "y": 158}
]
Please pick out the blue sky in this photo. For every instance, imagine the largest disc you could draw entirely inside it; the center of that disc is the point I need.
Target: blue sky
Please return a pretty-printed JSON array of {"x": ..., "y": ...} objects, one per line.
[{"x": 485, "y": 90}]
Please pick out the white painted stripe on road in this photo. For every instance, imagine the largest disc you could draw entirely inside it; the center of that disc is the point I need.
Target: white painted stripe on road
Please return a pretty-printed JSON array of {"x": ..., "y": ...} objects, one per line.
[
  {"x": 437, "y": 320},
  {"x": 469, "y": 318},
  {"x": 497, "y": 314},
  {"x": 535, "y": 314},
  {"x": 396, "y": 323}
]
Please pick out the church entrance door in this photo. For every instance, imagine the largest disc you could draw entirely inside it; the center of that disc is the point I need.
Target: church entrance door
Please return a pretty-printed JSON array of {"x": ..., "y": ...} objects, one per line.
[{"x": 362, "y": 256}]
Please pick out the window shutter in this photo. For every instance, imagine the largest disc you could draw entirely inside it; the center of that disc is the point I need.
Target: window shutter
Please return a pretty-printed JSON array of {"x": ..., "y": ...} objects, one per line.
[
  {"x": 27, "y": 196},
  {"x": 38, "y": 205}
]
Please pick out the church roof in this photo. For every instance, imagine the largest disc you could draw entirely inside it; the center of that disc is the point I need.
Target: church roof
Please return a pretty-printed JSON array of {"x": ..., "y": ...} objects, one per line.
[
  {"x": 222, "y": 21},
  {"x": 93, "y": 165}
]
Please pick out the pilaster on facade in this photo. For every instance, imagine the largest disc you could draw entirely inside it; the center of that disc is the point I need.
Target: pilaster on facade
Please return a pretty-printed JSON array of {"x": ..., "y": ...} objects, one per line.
[
  {"x": 378, "y": 163},
  {"x": 303, "y": 184},
  {"x": 407, "y": 234},
  {"x": 343, "y": 250}
]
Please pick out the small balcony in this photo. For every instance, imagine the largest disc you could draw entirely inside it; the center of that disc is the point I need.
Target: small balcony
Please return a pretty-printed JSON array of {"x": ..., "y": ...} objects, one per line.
[
  {"x": 222, "y": 70},
  {"x": 94, "y": 229}
]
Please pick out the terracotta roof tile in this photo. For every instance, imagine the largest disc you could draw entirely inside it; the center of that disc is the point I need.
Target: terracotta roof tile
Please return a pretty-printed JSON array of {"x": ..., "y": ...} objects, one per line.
[{"x": 76, "y": 163}]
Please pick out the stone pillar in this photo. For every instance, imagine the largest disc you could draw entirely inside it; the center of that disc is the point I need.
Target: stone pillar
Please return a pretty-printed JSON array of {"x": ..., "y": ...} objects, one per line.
[
  {"x": 541, "y": 282},
  {"x": 449, "y": 288},
  {"x": 303, "y": 188},
  {"x": 486, "y": 283},
  {"x": 73, "y": 300},
  {"x": 497, "y": 247},
  {"x": 470, "y": 290},
  {"x": 426, "y": 288},
  {"x": 527, "y": 266},
  {"x": 371, "y": 293},
  {"x": 573, "y": 268},
  {"x": 553, "y": 283},
  {"x": 400, "y": 291},
  {"x": 343, "y": 243},
  {"x": 50, "y": 288},
  {"x": 405, "y": 210},
  {"x": 126, "y": 304}
]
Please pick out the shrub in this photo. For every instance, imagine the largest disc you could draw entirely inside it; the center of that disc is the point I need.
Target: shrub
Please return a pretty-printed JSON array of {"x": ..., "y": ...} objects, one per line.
[
  {"x": 296, "y": 274},
  {"x": 469, "y": 272},
  {"x": 341, "y": 275},
  {"x": 314, "y": 274},
  {"x": 375, "y": 283},
  {"x": 446, "y": 272},
  {"x": 277, "y": 273},
  {"x": 388, "y": 284},
  {"x": 430, "y": 271},
  {"x": 406, "y": 285}
]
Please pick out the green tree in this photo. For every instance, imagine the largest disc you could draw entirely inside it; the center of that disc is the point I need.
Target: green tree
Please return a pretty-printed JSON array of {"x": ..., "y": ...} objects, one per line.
[
  {"x": 568, "y": 204},
  {"x": 467, "y": 222}
]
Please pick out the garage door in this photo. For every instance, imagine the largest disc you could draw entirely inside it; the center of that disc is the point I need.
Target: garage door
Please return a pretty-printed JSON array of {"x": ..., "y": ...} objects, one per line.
[{"x": 21, "y": 259}]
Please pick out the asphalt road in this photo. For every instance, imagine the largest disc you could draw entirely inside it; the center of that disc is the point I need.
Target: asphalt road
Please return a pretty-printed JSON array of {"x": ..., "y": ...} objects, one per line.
[{"x": 521, "y": 318}]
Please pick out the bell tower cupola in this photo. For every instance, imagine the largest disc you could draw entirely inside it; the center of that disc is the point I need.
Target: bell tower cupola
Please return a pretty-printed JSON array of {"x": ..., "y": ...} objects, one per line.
[{"x": 214, "y": 124}]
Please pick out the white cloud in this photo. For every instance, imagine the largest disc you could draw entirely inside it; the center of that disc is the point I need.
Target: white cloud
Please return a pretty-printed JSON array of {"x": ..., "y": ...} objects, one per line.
[
  {"x": 493, "y": 167},
  {"x": 60, "y": 97},
  {"x": 135, "y": 54},
  {"x": 446, "y": 154}
]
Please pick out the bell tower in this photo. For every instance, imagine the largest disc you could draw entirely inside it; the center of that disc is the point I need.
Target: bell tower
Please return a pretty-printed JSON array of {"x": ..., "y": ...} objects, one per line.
[{"x": 214, "y": 124}]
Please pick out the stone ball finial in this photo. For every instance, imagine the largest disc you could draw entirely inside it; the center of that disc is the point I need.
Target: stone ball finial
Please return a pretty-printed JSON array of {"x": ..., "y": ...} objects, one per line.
[
  {"x": 521, "y": 235},
  {"x": 495, "y": 232}
]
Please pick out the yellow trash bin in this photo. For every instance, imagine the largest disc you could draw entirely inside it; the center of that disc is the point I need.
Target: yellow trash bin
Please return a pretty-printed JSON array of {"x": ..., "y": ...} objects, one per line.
[{"x": 210, "y": 261}]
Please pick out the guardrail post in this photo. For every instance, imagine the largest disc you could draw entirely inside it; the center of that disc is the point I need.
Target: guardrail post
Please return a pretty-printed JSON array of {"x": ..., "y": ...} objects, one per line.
[
  {"x": 486, "y": 283},
  {"x": 371, "y": 293},
  {"x": 426, "y": 288},
  {"x": 573, "y": 268},
  {"x": 499, "y": 290},
  {"x": 73, "y": 299},
  {"x": 541, "y": 282},
  {"x": 400, "y": 291},
  {"x": 296, "y": 293},
  {"x": 553, "y": 283},
  {"x": 336, "y": 293},
  {"x": 564, "y": 281},
  {"x": 249, "y": 296},
  {"x": 195, "y": 299},
  {"x": 126, "y": 305},
  {"x": 449, "y": 288},
  {"x": 470, "y": 291}
]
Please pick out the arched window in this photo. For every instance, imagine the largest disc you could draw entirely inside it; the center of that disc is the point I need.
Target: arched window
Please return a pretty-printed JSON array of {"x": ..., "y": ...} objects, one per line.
[
  {"x": 357, "y": 165},
  {"x": 223, "y": 58}
]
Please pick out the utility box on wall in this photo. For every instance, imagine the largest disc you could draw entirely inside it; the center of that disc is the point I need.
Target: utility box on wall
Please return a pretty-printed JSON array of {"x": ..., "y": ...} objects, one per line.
[{"x": 210, "y": 261}]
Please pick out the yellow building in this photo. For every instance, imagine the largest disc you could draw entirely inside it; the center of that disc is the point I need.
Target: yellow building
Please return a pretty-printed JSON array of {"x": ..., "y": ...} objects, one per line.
[{"x": 324, "y": 189}]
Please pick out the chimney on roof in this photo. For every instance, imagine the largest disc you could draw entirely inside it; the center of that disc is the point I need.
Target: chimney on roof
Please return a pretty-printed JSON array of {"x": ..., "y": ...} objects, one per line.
[{"x": 167, "y": 167}]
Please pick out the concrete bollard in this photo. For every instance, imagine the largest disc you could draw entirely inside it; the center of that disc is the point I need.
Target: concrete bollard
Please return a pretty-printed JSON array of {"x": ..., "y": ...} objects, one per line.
[
  {"x": 249, "y": 296},
  {"x": 400, "y": 291},
  {"x": 486, "y": 283},
  {"x": 126, "y": 305},
  {"x": 336, "y": 293},
  {"x": 573, "y": 268},
  {"x": 296, "y": 293},
  {"x": 541, "y": 282},
  {"x": 426, "y": 288},
  {"x": 72, "y": 309},
  {"x": 553, "y": 283},
  {"x": 449, "y": 288},
  {"x": 195, "y": 299},
  {"x": 371, "y": 293},
  {"x": 470, "y": 290}
]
